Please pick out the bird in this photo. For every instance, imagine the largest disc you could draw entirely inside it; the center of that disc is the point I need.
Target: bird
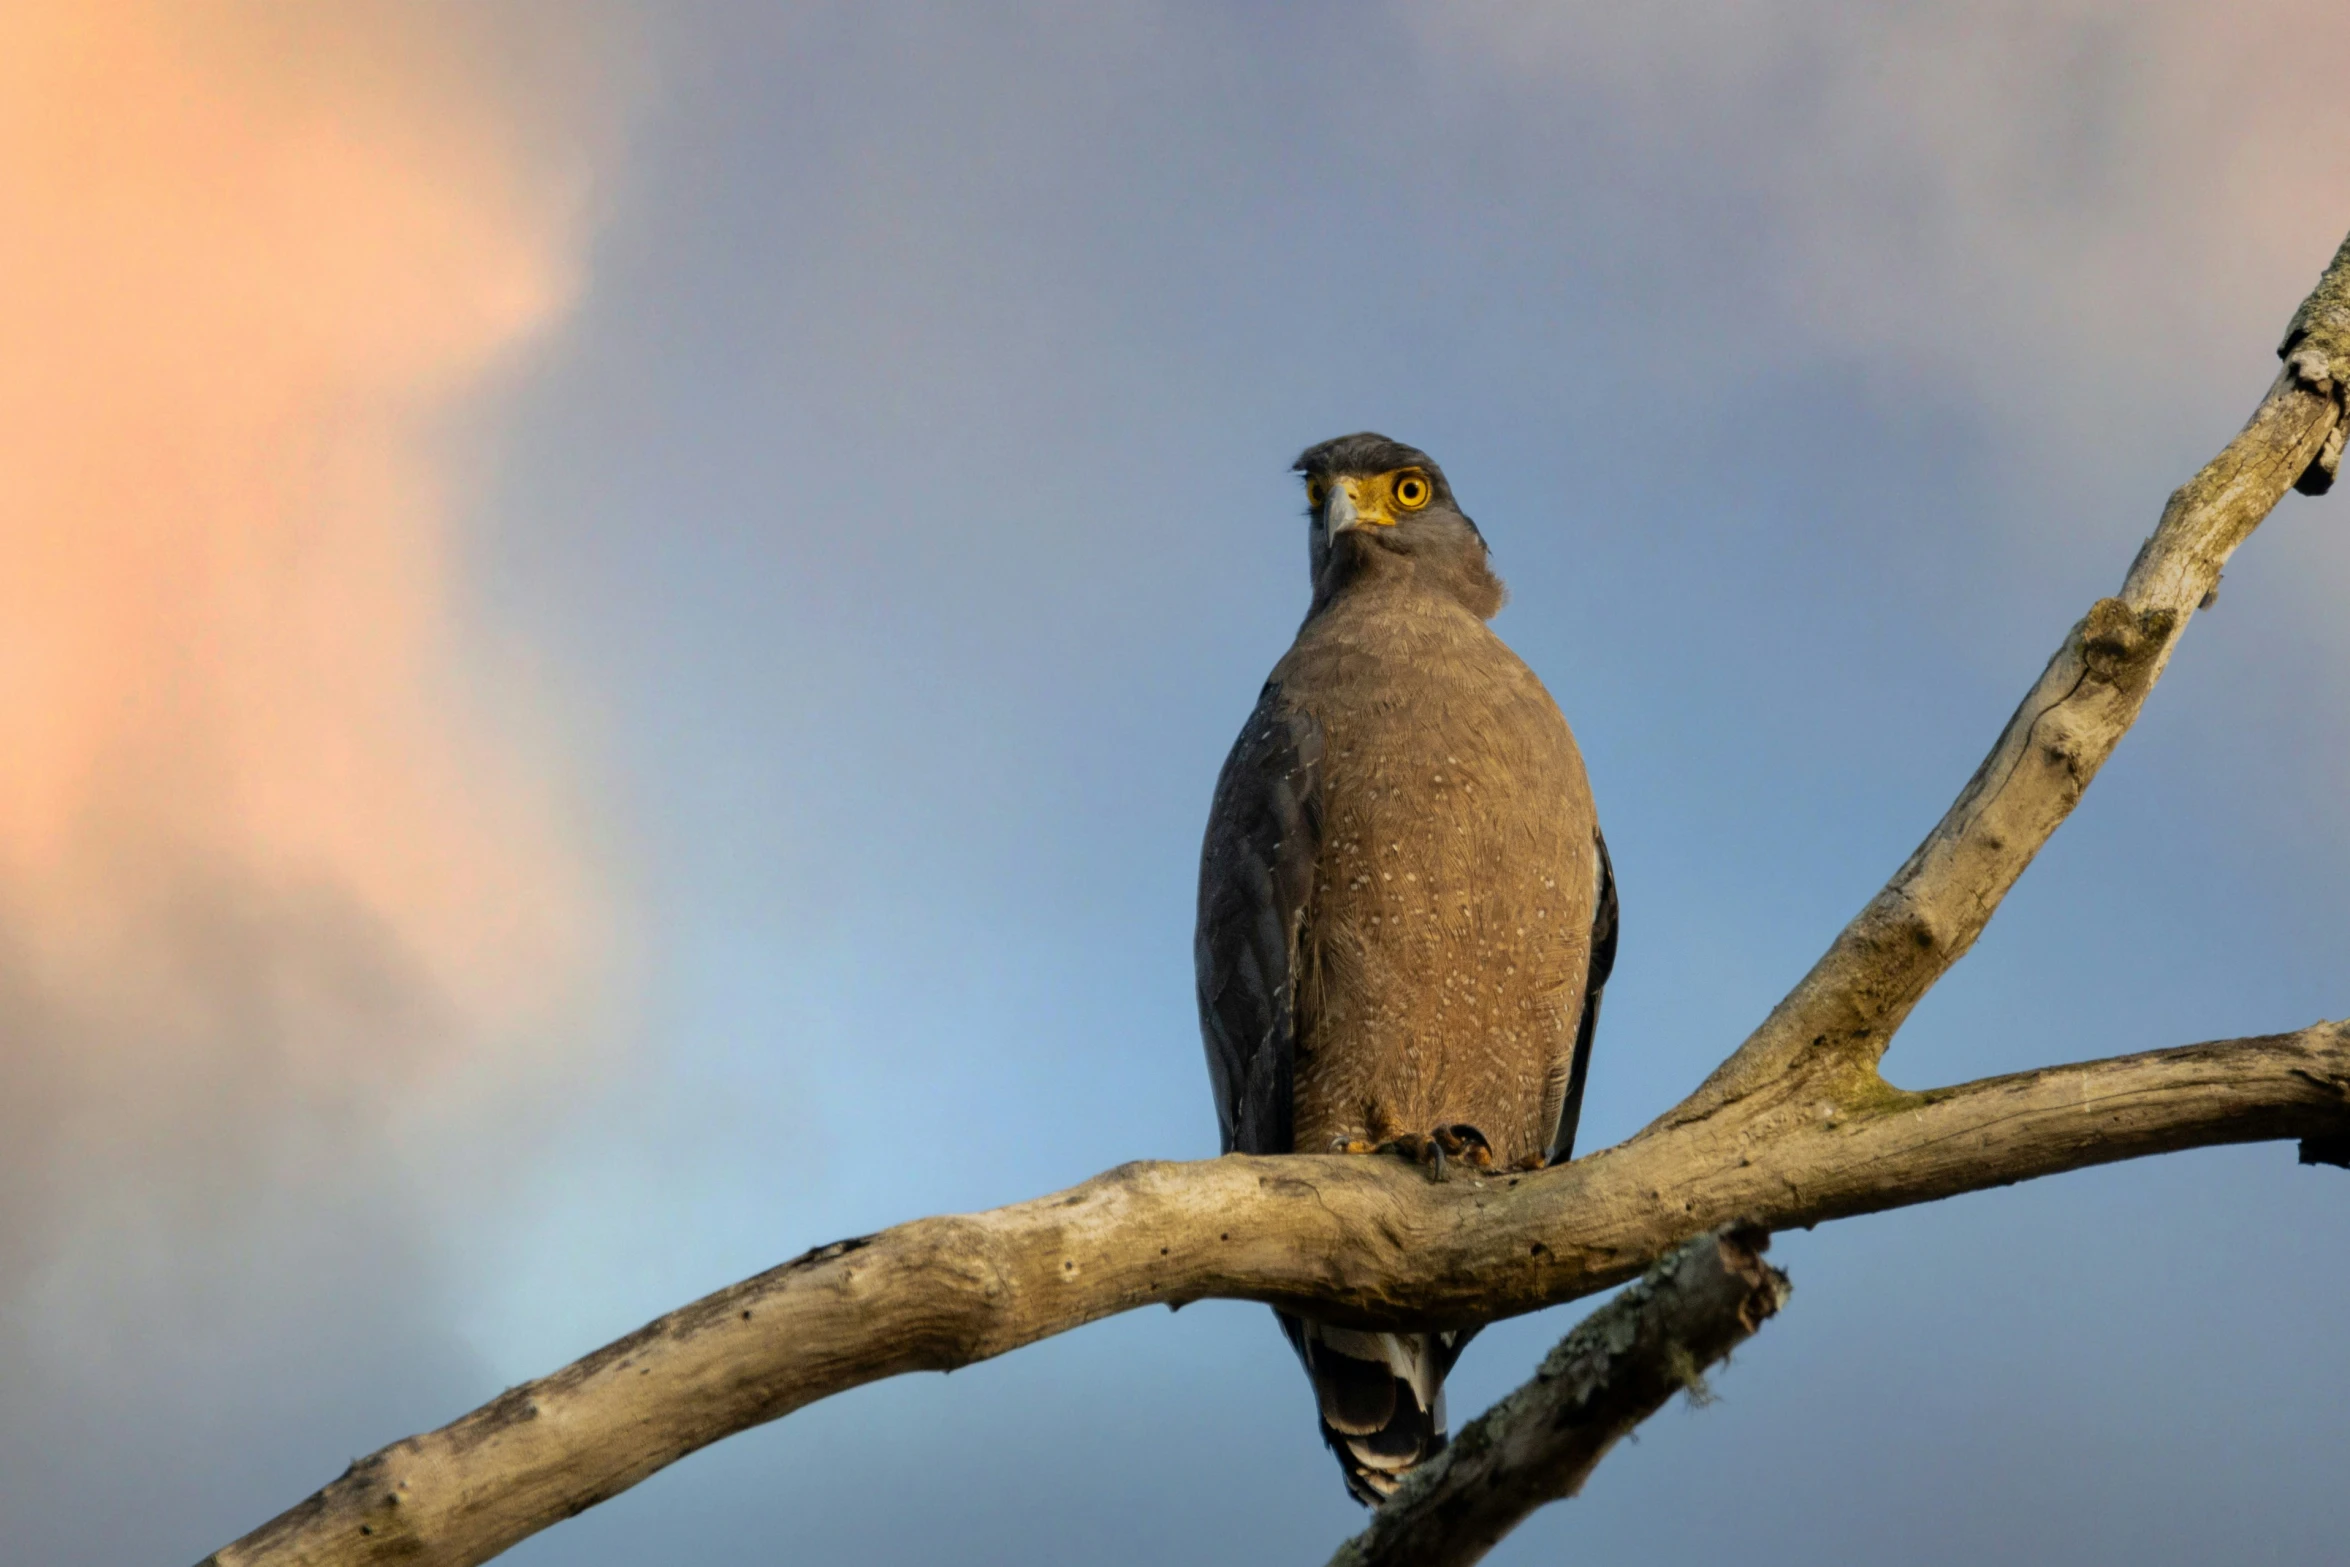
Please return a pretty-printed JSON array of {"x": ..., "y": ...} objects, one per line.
[{"x": 1406, "y": 909}]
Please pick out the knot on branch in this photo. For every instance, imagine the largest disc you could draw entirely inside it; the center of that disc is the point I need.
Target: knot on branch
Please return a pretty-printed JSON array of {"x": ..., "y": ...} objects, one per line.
[
  {"x": 2316, "y": 350},
  {"x": 2118, "y": 642},
  {"x": 2325, "y": 373}
]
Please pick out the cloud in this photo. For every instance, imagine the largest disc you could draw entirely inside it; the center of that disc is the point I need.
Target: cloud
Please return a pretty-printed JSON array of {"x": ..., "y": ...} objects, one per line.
[
  {"x": 285, "y": 871},
  {"x": 2110, "y": 192}
]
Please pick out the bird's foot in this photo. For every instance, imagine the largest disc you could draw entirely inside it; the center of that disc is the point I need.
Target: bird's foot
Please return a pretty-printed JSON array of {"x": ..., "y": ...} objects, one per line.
[
  {"x": 1463, "y": 1142},
  {"x": 1436, "y": 1150}
]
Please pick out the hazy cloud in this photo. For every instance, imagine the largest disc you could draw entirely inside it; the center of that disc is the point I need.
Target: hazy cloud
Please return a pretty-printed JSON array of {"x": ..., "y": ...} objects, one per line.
[
  {"x": 284, "y": 874},
  {"x": 908, "y": 491},
  {"x": 2112, "y": 190}
]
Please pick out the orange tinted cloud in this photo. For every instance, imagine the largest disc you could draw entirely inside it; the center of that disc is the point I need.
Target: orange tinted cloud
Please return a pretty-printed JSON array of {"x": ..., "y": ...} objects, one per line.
[{"x": 266, "y": 841}]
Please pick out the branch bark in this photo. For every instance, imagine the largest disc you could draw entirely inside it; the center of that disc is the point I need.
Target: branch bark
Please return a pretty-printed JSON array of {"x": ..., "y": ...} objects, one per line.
[
  {"x": 1366, "y": 1241},
  {"x": 1840, "y": 1018},
  {"x": 1619, "y": 1366},
  {"x": 1795, "y": 1127}
]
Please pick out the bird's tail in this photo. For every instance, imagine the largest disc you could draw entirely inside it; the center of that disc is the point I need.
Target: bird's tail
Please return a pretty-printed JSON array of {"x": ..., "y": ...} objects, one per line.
[{"x": 1381, "y": 1398}]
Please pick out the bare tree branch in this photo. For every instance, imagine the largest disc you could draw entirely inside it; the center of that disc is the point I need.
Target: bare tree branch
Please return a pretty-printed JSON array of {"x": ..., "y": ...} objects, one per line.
[
  {"x": 1796, "y": 1127},
  {"x": 1840, "y": 1018},
  {"x": 1619, "y": 1366},
  {"x": 1367, "y": 1241},
  {"x": 2322, "y": 327}
]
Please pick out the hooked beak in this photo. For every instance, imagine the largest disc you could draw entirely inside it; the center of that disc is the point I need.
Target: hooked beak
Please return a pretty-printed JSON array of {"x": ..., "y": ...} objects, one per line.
[{"x": 1350, "y": 507}]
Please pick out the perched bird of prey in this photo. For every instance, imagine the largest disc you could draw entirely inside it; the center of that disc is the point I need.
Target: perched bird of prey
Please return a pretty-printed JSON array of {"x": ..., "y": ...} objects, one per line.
[{"x": 1406, "y": 910}]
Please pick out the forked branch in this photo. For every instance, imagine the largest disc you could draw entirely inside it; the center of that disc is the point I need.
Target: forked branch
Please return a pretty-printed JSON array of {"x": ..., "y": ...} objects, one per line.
[
  {"x": 1368, "y": 1241},
  {"x": 1796, "y": 1127},
  {"x": 1839, "y": 1019}
]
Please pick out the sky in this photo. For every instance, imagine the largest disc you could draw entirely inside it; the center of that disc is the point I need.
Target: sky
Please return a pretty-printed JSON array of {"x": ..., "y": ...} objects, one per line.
[{"x": 616, "y": 622}]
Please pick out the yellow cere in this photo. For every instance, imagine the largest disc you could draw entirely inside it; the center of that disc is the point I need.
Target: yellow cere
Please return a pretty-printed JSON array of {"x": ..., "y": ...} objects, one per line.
[{"x": 1377, "y": 499}]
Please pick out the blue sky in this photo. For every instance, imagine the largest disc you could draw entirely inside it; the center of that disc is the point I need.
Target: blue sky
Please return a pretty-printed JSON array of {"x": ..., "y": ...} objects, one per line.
[{"x": 884, "y": 540}]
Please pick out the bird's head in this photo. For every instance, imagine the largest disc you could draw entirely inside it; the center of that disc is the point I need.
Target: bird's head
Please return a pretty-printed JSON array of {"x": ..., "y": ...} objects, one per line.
[{"x": 1380, "y": 509}]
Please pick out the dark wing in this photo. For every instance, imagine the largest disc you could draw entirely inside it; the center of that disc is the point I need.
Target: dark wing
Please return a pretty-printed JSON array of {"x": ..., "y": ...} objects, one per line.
[
  {"x": 1603, "y": 962},
  {"x": 1256, "y": 874}
]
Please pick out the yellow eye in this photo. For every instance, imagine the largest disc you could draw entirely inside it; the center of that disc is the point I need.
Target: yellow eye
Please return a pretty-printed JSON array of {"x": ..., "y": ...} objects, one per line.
[
  {"x": 1316, "y": 493},
  {"x": 1412, "y": 491}
]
